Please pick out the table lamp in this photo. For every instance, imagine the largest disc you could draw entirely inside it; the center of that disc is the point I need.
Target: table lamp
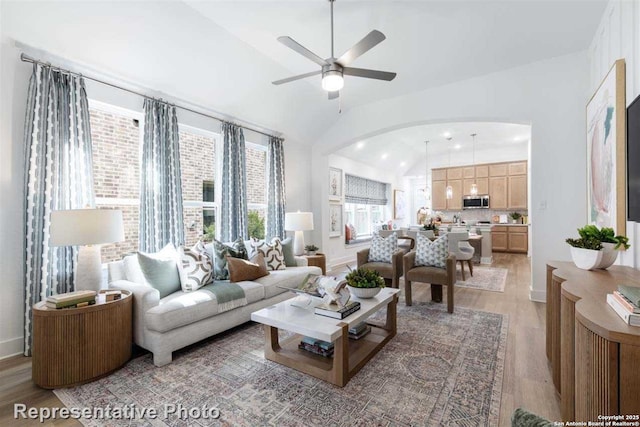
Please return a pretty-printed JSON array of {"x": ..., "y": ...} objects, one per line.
[
  {"x": 298, "y": 222},
  {"x": 88, "y": 229}
]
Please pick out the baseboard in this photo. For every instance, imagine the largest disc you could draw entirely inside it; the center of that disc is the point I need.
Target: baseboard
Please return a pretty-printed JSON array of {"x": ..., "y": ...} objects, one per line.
[
  {"x": 12, "y": 347},
  {"x": 538, "y": 296}
]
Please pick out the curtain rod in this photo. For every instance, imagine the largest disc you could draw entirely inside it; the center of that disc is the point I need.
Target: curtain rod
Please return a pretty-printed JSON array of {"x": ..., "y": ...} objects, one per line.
[{"x": 26, "y": 58}]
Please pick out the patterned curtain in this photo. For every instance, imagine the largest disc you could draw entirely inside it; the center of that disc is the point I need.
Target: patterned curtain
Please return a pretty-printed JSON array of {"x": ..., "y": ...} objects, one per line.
[
  {"x": 365, "y": 191},
  {"x": 234, "y": 185},
  {"x": 161, "y": 219},
  {"x": 276, "y": 199},
  {"x": 59, "y": 175}
]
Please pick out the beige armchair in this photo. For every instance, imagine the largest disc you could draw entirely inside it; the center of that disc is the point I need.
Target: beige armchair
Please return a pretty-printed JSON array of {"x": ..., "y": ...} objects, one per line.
[
  {"x": 391, "y": 272},
  {"x": 436, "y": 277}
]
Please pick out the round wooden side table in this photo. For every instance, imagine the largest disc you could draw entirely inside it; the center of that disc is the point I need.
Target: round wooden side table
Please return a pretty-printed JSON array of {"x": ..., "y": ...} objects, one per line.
[
  {"x": 317, "y": 260},
  {"x": 73, "y": 346}
]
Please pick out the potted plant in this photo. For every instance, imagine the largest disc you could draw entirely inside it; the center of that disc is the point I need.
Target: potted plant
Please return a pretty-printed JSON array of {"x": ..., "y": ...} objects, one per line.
[
  {"x": 596, "y": 248},
  {"x": 311, "y": 249},
  {"x": 364, "y": 283},
  {"x": 515, "y": 217},
  {"x": 431, "y": 226}
]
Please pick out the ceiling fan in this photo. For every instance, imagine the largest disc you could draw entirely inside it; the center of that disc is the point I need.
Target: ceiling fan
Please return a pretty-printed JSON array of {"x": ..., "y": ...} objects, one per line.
[{"x": 333, "y": 70}]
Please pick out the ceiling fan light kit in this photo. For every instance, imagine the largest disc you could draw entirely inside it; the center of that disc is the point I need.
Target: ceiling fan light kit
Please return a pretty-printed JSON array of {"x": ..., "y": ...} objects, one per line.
[{"x": 333, "y": 70}]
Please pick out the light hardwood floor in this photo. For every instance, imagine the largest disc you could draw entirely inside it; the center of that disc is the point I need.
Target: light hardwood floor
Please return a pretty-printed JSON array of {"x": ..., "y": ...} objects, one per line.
[{"x": 527, "y": 379}]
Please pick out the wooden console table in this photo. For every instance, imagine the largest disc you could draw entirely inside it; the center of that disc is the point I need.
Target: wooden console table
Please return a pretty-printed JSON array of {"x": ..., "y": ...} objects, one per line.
[{"x": 594, "y": 355}]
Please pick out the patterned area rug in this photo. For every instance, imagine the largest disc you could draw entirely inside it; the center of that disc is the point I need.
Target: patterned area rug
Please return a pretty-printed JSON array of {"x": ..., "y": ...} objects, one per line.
[
  {"x": 440, "y": 369},
  {"x": 485, "y": 278}
]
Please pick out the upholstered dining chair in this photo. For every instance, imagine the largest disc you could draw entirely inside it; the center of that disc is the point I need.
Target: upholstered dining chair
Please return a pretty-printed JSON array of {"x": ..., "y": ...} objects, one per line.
[
  {"x": 390, "y": 271},
  {"x": 463, "y": 251},
  {"x": 434, "y": 276}
]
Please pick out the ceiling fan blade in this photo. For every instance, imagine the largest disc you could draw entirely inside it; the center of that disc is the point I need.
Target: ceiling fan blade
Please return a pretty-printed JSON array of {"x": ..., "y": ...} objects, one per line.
[
  {"x": 358, "y": 49},
  {"x": 334, "y": 95},
  {"x": 369, "y": 74},
  {"x": 292, "y": 44},
  {"x": 298, "y": 77}
]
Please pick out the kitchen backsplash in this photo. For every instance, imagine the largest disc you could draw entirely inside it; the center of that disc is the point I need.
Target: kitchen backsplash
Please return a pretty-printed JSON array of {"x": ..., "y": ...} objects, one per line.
[{"x": 479, "y": 214}]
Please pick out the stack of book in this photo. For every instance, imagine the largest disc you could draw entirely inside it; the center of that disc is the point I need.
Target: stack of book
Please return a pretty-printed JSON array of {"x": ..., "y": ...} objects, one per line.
[
  {"x": 336, "y": 311},
  {"x": 71, "y": 299},
  {"x": 626, "y": 303},
  {"x": 315, "y": 346},
  {"x": 358, "y": 331},
  {"x": 111, "y": 295}
]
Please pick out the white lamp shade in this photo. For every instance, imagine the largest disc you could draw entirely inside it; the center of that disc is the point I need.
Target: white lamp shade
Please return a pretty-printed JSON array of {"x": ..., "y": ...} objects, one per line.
[
  {"x": 298, "y": 221},
  {"x": 79, "y": 227}
]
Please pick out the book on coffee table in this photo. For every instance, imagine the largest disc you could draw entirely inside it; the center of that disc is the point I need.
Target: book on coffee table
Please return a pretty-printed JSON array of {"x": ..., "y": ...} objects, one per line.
[{"x": 337, "y": 312}]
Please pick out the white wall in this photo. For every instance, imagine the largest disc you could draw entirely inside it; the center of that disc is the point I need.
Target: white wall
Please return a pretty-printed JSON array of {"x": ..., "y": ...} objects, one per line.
[
  {"x": 334, "y": 248},
  {"x": 13, "y": 91},
  {"x": 550, "y": 95},
  {"x": 618, "y": 36}
]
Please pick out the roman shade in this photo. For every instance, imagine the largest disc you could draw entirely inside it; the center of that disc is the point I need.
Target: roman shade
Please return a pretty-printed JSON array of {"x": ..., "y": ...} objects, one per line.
[{"x": 365, "y": 191}]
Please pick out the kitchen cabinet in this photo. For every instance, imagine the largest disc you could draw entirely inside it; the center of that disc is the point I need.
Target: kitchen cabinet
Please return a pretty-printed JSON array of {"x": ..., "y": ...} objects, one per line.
[
  {"x": 505, "y": 183},
  {"x": 498, "y": 192},
  {"x": 518, "y": 192},
  {"x": 438, "y": 195},
  {"x": 498, "y": 169},
  {"x": 439, "y": 175},
  {"x": 499, "y": 241},
  {"x": 482, "y": 183},
  {"x": 468, "y": 172},
  {"x": 455, "y": 203},
  {"x": 454, "y": 173},
  {"x": 518, "y": 168},
  {"x": 511, "y": 238}
]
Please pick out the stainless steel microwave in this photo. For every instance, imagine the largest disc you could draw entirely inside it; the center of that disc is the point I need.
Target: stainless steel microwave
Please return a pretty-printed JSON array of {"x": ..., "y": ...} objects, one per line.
[{"x": 475, "y": 202}]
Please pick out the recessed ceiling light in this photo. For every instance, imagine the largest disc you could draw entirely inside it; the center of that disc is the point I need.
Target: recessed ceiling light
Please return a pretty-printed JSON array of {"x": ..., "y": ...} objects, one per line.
[
  {"x": 447, "y": 134},
  {"x": 384, "y": 156},
  {"x": 360, "y": 145},
  {"x": 403, "y": 164},
  {"x": 457, "y": 146}
]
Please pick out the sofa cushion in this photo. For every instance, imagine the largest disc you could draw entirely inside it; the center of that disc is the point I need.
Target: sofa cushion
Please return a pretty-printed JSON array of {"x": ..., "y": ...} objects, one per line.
[
  {"x": 183, "y": 308},
  {"x": 161, "y": 272},
  {"x": 289, "y": 278},
  {"x": 236, "y": 249},
  {"x": 382, "y": 248},
  {"x": 247, "y": 269},
  {"x": 430, "y": 253},
  {"x": 195, "y": 267},
  {"x": 273, "y": 253}
]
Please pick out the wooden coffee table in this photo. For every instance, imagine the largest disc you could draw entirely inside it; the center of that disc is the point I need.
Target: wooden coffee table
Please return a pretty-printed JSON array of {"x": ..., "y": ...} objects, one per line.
[{"x": 349, "y": 355}]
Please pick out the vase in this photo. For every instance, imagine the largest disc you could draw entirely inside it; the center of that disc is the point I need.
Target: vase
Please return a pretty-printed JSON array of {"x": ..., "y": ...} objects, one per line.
[
  {"x": 363, "y": 292},
  {"x": 311, "y": 253},
  {"x": 586, "y": 259},
  {"x": 609, "y": 256}
]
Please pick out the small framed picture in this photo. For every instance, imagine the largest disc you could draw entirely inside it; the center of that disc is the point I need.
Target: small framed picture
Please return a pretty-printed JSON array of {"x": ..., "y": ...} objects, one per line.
[
  {"x": 335, "y": 184},
  {"x": 335, "y": 220}
]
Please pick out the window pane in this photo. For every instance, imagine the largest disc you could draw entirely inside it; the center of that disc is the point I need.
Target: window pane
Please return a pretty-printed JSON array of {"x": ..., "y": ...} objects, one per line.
[
  {"x": 256, "y": 176},
  {"x": 116, "y": 171},
  {"x": 208, "y": 191},
  {"x": 197, "y": 161},
  {"x": 257, "y": 222},
  {"x": 209, "y": 224}
]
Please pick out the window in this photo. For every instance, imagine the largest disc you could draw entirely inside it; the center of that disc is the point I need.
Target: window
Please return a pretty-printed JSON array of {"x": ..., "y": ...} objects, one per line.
[
  {"x": 197, "y": 163},
  {"x": 365, "y": 202},
  {"x": 115, "y": 136},
  {"x": 256, "y": 162}
]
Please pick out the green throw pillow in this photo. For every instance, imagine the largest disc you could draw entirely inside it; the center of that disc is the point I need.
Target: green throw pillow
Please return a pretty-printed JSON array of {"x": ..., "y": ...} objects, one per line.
[
  {"x": 161, "y": 273},
  {"x": 287, "y": 250},
  {"x": 220, "y": 252}
]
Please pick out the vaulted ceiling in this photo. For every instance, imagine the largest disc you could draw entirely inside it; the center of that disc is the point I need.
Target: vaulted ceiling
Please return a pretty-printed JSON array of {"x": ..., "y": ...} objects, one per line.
[{"x": 223, "y": 55}]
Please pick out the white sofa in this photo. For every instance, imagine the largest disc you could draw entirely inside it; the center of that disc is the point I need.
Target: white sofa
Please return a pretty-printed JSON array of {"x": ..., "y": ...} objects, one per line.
[{"x": 183, "y": 318}]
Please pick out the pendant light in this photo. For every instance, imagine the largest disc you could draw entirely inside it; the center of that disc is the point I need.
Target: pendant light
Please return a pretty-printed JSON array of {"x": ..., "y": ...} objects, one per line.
[
  {"x": 474, "y": 186},
  {"x": 449, "y": 188}
]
